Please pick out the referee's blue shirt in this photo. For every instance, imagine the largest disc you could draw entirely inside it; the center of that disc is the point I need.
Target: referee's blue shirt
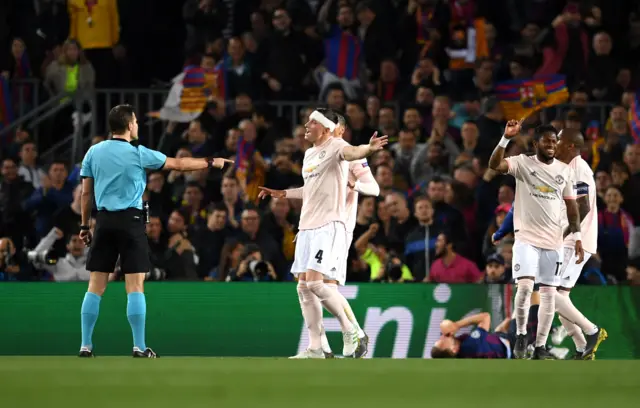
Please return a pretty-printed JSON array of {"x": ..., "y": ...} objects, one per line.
[{"x": 118, "y": 172}]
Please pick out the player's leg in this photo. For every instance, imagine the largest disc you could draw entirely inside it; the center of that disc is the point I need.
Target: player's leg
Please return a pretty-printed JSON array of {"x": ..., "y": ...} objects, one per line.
[
  {"x": 549, "y": 265},
  {"x": 102, "y": 258},
  {"x": 364, "y": 339},
  {"x": 134, "y": 262},
  {"x": 312, "y": 314},
  {"x": 525, "y": 269},
  {"x": 310, "y": 305},
  {"x": 572, "y": 319},
  {"x": 326, "y": 257}
]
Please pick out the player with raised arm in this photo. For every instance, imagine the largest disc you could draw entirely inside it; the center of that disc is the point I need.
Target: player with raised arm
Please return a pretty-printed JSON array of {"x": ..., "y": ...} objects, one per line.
[
  {"x": 542, "y": 183},
  {"x": 360, "y": 180},
  {"x": 569, "y": 146},
  {"x": 322, "y": 239},
  {"x": 568, "y": 151}
]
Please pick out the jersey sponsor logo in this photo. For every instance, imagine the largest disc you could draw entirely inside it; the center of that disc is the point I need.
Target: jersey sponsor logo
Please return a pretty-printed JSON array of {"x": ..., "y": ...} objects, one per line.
[
  {"x": 544, "y": 189},
  {"x": 310, "y": 168}
]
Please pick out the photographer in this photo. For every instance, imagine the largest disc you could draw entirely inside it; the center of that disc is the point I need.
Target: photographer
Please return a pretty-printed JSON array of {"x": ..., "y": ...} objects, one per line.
[
  {"x": 72, "y": 267},
  {"x": 385, "y": 266},
  {"x": 9, "y": 269},
  {"x": 253, "y": 268}
]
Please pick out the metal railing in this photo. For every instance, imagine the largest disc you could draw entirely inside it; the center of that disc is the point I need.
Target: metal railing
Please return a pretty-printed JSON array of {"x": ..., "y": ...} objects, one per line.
[{"x": 32, "y": 114}]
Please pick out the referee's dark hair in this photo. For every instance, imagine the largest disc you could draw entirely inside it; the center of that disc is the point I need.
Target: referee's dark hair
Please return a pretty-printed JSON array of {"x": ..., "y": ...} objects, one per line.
[{"x": 119, "y": 119}]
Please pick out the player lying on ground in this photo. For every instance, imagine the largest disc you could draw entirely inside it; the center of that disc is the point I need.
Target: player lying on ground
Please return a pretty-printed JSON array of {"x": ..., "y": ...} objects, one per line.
[
  {"x": 568, "y": 151},
  {"x": 480, "y": 343},
  {"x": 360, "y": 180}
]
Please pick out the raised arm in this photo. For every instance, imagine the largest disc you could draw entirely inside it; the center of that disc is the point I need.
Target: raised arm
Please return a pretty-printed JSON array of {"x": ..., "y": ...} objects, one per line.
[
  {"x": 192, "y": 163},
  {"x": 497, "y": 161},
  {"x": 351, "y": 153}
]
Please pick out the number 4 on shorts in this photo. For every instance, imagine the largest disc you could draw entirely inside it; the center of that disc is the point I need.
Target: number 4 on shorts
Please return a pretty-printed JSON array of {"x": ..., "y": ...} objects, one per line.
[{"x": 319, "y": 256}]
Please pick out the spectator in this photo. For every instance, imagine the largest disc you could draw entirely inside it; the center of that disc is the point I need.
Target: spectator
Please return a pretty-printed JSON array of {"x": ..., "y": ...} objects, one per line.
[
  {"x": 13, "y": 192},
  {"x": 204, "y": 21},
  {"x": 251, "y": 233},
  {"x": 29, "y": 170},
  {"x": 252, "y": 268},
  {"x": 181, "y": 259},
  {"x": 451, "y": 267},
  {"x": 210, "y": 241},
  {"x": 420, "y": 243},
  {"x": 615, "y": 228},
  {"x": 71, "y": 266},
  {"x": 495, "y": 271},
  {"x": 67, "y": 219},
  {"x": 56, "y": 193},
  {"x": 95, "y": 25},
  {"x": 283, "y": 80},
  {"x": 9, "y": 269}
]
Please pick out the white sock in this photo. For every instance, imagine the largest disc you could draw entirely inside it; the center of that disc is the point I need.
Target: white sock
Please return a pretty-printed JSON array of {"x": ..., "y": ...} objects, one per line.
[
  {"x": 523, "y": 303},
  {"x": 574, "y": 331},
  {"x": 331, "y": 301},
  {"x": 347, "y": 309},
  {"x": 312, "y": 314},
  {"x": 324, "y": 341},
  {"x": 566, "y": 308},
  {"x": 546, "y": 311}
]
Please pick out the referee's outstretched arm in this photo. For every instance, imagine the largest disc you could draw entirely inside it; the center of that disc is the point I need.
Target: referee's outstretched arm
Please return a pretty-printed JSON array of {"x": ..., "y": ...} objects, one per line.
[{"x": 114, "y": 171}]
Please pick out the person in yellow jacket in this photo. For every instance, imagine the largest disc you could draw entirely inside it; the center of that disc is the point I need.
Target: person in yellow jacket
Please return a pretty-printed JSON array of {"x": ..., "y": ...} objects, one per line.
[{"x": 96, "y": 25}]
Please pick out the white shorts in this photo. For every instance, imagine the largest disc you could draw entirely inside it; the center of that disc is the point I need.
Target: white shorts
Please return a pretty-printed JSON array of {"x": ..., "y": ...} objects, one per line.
[
  {"x": 342, "y": 272},
  {"x": 542, "y": 264},
  {"x": 322, "y": 250},
  {"x": 571, "y": 271}
]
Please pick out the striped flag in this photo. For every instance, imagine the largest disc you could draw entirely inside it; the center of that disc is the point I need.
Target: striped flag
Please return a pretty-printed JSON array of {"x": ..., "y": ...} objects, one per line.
[
  {"x": 190, "y": 92},
  {"x": 634, "y": 118},
  {"x": 520, "y": 98},
  {"x": 6, "y": 106}
]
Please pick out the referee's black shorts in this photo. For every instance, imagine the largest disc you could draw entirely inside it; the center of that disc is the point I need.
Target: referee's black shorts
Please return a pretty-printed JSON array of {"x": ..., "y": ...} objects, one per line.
[{"x": 120, "y": 233}]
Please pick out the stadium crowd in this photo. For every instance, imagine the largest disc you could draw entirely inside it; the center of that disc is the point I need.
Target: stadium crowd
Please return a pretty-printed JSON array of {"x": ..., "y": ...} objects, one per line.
[{"x": 400, "y": 68}]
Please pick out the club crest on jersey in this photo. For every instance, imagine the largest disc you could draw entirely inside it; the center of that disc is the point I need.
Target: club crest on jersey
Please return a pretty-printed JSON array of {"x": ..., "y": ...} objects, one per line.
[
  {"x": 322, "y": 154},
  {"x": 559, "y": 179},
  {"x": 475, "y": 334}
]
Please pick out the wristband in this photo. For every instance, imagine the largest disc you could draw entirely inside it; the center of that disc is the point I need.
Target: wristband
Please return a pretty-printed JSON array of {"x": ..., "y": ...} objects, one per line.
[
  {"x": 577, "y": 236},
  {"x": 84, "y": 228},
  {"x": 503, "y": 142},
  {"x": 209, "y": 163}
]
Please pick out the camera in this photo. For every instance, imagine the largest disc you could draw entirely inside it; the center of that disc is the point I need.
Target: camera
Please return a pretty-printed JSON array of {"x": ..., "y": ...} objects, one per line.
[
  {"x": 41, "y": 257},
  {"x": 257, "y": 268},
  {"x": 393, "y": 268}
]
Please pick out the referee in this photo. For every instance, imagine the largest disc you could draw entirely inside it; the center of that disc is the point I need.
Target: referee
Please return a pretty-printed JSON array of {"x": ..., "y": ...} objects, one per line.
[{"x": 115, "y": 170}]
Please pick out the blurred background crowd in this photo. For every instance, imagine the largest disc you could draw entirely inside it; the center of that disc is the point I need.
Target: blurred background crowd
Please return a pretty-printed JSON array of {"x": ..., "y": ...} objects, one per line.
[{"x": 424, "y": 72}]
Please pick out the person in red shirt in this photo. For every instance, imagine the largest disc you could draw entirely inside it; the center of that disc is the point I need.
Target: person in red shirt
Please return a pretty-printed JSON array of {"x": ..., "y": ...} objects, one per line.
[{"x": 451, "y": 267}]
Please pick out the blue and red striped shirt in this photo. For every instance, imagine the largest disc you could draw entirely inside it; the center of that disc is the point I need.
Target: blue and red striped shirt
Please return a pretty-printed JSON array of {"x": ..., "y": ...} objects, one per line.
[
  {"x": 481, "y": 344},
  {"x": 343, "y": 53}
]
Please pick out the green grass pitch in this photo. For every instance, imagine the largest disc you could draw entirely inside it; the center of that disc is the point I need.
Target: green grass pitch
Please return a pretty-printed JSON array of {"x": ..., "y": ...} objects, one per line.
[{"x": 122, "y": 382}]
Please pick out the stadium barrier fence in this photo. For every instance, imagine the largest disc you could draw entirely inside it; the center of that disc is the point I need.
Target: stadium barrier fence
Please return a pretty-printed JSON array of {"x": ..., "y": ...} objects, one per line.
[{"x": 263, "y": 319}]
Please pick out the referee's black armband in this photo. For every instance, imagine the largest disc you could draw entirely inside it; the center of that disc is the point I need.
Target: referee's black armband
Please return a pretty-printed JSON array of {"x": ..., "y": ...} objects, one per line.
[{"x": 209, "y": 162}]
